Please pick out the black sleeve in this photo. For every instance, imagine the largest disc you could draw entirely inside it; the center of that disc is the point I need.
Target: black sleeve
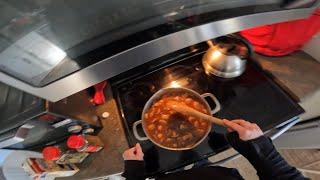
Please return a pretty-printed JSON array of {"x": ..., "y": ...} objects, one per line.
[
  {"x": 264, "y": 157},
  {"x": 134, "y": 170}
]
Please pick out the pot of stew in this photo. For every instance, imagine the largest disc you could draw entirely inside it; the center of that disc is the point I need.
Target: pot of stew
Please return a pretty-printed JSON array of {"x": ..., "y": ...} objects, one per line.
[{"x": 169, "y": 129}]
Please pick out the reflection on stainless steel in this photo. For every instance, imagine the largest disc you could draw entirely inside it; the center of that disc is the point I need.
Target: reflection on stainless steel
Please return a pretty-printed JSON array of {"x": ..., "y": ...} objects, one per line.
[
  {"x": 227, "y": 57},
  {"x": 181, "y": 76},
  {"x": 137, "y": 93},
  {"x": 31, "y": 58},
  {"x": 151, "y": 50},
  {"x": 179, "y": 83},
  {"x": 174, "y": 84},
  {"x": 20, "y": 136}
]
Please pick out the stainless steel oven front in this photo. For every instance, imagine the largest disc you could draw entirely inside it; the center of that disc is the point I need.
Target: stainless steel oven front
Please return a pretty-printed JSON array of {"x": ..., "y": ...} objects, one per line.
[{"x": 54, "y": 49}]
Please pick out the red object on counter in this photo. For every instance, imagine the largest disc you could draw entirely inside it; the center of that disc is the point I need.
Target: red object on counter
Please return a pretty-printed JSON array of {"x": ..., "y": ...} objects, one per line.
[
  {"x": 99, "y": 97},
  {"x": 76, "y": 142},
  {"x": 81, "y": 144},
  {"x": 51, "y": 153},
  {"x": 283, "y": 38}
]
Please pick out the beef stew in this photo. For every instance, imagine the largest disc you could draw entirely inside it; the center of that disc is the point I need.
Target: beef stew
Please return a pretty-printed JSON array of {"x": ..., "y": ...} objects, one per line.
[{"x": 172, "y": 129}]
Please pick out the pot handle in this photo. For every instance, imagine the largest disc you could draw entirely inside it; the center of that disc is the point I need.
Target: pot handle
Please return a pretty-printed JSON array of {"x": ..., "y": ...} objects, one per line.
[
  {"x": 215, "y": 100},
  {"x": 135, "y": 131}
]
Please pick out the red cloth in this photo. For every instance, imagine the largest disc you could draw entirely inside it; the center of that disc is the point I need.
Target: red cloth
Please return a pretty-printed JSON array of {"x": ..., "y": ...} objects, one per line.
[{"x": 283, "y": 38}]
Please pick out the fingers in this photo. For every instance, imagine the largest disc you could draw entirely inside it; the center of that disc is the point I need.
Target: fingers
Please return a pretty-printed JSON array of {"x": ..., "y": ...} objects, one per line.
[
  {"x": 134, "y": 153},
  {"x": 132, "y": 150},
  {"x": 229, "y": 130},
  {"x": 138, "y": 149},
  {"x": 245, "y": 129},
  {"x": 256, "y": 126},
  {"x": 233, "y": 126},
  {"x": 246, "y": 124},
  {"x": 125, "y": 154},
  {"x": 128, "y": 152},
  {"x": 242, "y": 122}
]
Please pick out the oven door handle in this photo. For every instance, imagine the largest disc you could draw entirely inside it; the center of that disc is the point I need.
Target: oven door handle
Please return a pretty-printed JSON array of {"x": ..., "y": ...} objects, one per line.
[
  {"x": 273, "y": 134},
  {"x": 18, "y": 137}
]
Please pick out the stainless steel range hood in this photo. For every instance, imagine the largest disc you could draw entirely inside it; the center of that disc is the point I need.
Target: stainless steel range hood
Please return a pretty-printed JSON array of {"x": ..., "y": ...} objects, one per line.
[{"x": 83, "y": 76}]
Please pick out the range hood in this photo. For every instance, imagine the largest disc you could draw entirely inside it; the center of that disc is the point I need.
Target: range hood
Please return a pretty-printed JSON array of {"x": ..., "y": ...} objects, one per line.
[{"x": 54, "y": 49}]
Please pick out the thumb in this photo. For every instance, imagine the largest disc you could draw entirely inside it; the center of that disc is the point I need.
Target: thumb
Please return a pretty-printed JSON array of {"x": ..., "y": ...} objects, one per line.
[
  {"x": 138, "y": 149},
  {"x": 233, "y": 126}
]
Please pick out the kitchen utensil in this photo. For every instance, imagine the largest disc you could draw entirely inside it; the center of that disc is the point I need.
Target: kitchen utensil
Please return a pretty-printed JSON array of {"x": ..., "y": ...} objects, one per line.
[
  {"x": 174, "y": 91},
  {"x": 227, "y": 56},
  {"x": 183, "y": 109}
]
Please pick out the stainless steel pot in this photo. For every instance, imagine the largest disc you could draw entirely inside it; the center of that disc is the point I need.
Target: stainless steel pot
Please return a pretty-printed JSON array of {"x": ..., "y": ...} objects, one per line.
[
  {"x": 174, "y": 91},
  {"x": 227, "y": 56}
]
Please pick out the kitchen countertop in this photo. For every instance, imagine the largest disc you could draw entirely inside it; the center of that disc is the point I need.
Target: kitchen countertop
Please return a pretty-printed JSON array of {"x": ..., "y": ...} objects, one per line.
[
  {"x": 298, "y": 73},
  {"x": 109, "y": 160}
]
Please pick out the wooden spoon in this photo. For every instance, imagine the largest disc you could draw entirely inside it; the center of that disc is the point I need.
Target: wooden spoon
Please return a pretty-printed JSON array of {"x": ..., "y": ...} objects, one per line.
[{"x": 186, "y": 110}]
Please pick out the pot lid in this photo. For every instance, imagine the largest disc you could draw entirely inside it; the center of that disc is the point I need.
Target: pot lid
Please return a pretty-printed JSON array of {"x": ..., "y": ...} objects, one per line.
[{"x": 232, "y": 45}]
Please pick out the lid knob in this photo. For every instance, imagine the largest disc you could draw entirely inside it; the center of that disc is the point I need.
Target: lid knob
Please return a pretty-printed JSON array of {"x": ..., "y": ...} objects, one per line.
[
  {"x": 76, "y": 141},
  {"x": 51, "y": 153}
]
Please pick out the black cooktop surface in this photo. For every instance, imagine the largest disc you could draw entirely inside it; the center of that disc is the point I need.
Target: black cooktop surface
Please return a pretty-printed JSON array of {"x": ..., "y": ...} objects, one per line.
[{"x": 252, "y": 96}]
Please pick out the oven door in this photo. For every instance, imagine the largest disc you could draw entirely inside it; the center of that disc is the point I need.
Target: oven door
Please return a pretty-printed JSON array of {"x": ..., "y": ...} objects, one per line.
[{"x": 54, "y": 49}]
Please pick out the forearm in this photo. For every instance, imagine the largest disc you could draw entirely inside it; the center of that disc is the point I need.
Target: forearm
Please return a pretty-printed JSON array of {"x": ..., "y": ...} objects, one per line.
[
  {"x": 265, "y": 158},
  {"x": 134, "y": 170}
]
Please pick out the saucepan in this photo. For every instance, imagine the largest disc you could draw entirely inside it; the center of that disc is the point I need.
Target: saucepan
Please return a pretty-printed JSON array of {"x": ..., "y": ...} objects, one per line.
[{"x": 175, "y": 91}]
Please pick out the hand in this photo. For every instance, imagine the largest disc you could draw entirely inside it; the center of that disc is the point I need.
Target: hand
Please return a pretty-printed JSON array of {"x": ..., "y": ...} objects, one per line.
[
  {"x": 246, "y": 130},
  {"x": 134, "y": 153}
]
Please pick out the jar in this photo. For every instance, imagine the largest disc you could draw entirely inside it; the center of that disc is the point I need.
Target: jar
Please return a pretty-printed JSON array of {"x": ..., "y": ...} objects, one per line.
[
  {"x": 60, "y": 155},
  {"x": 51, "y": 153},
  {"x": 84, "y": 143}
]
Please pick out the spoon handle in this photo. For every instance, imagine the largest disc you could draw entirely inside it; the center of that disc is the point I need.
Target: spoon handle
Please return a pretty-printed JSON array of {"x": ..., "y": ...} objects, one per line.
[{"x": 183, "y": 109}]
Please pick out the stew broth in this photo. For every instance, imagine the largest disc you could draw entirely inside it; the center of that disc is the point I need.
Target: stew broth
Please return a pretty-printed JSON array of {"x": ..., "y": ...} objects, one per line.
[{"x": 172, "y": 129}]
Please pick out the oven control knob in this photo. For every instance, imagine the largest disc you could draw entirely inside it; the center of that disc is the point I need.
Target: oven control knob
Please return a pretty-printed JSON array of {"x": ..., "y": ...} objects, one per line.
[
  {"x": 88, "y": 131},
  {"x": 74, "y": 129}
]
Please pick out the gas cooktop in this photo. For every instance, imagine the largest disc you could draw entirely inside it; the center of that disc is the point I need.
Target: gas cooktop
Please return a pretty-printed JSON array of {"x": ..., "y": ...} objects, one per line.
[{"x": 252, "y": 96}]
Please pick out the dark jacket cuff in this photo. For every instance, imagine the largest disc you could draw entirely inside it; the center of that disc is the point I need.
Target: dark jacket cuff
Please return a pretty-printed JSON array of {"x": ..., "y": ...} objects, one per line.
[
  {"x": 261, "y": 145},
  {"x": 134, "y": 170},
  {"x": 262, "y": 154}
]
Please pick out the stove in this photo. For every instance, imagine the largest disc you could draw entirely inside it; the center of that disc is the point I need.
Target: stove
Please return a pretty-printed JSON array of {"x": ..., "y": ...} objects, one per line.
[{"x": 253, "y": 96}]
